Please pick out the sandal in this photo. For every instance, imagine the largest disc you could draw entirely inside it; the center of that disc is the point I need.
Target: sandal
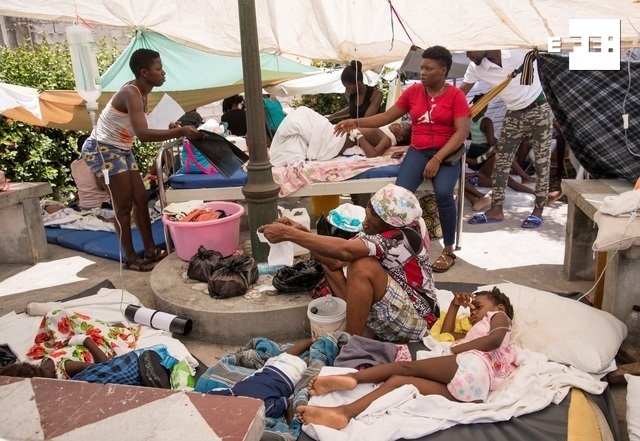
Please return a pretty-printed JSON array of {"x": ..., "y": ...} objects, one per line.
[
  {"x": 157, "y": 255},
  {"x": 140, "y": 265},
  {"x": 443, "y": 262}
]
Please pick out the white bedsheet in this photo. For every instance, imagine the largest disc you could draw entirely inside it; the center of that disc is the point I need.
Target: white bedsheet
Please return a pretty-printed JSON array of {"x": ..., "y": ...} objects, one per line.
[
  {"x": 405, "y": 413},
  {"x": 18, "y": 331},
  {"x": 304, "y": 134}
]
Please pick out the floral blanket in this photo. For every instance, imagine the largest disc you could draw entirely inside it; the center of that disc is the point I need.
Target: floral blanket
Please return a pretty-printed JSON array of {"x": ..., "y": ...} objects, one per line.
[
  {"x": 293, "y": 177},
  {"x": 57, "y": 328}
]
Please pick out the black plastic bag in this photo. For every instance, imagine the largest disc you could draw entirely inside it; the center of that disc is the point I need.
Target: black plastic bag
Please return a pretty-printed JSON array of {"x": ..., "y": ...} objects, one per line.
[
  {"x": 326, "y": 228},
  {"x": 300, "y": 277},
  {"x": 233, "y": 276},
  {"x": 203, "y": 264}
]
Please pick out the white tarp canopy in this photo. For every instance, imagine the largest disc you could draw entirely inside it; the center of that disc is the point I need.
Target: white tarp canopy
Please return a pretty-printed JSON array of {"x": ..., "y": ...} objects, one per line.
[
  {"x": 342, "y": 30},
  {"x": 326, "y": 82}
]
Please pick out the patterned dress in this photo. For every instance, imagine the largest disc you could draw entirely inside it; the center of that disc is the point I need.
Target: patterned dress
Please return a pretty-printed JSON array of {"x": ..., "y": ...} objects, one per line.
[{"x": 60, "y": 325}]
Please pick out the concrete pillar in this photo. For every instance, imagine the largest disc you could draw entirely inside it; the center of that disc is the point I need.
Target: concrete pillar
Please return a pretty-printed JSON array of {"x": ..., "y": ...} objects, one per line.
[
  {"x": 7, "y": 32},
  {"x": 22, "y": 238}
]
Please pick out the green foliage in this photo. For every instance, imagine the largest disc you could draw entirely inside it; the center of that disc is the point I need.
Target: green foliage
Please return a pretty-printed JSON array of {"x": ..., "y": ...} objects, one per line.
[
  {"x": 323, "y": 103},
  {"x": 39, "y": 154},
  {"x": 328, "y": 103}
]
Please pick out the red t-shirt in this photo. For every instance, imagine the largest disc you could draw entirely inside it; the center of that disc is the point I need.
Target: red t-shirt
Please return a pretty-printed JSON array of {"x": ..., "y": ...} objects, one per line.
[{"x": 448, "y": 106}]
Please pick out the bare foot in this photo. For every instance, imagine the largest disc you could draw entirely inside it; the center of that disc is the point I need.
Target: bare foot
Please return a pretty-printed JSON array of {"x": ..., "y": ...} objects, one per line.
[
  {"x": 323, "y": 385},
  {"x": 325, "y": 416},
  {"x": 553, "y": 196},
  {"x": 481, "y": 203},
  {"x": 495, "y": 212}
]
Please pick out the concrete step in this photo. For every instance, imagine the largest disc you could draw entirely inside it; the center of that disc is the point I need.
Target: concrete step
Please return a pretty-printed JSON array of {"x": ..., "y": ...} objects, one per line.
[
  {"x": 44, "y": 409},
  {"x": 278, "y": 317}
]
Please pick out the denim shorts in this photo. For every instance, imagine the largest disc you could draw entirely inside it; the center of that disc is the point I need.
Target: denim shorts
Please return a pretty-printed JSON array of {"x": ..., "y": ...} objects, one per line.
[{"x": 107, "y": 157}]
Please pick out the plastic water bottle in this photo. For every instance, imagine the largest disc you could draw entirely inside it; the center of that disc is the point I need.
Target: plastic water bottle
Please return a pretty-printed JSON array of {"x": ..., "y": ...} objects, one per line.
[
  {"x": 633, "y": 327},
  {"x": 85, "y": 64},
  {"x": 330, "y": 305},
  {"x": 264, "y": 268}
]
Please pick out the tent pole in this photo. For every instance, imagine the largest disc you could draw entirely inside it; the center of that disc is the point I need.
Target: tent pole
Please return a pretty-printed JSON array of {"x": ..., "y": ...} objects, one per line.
[{"x": 261, "y": 192}]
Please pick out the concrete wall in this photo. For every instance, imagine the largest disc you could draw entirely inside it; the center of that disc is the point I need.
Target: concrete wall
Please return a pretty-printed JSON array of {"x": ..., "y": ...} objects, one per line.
[{"x": 14, "y": 30}]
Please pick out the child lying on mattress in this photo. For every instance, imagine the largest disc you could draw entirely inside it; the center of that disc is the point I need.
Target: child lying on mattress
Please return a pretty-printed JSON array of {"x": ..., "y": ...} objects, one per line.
[
  {"x": 305, "y": 134},
  {"x": 480, "y": 363},
  {"x": 273, "y": 383},
  {"x": 125, "y": 369}
]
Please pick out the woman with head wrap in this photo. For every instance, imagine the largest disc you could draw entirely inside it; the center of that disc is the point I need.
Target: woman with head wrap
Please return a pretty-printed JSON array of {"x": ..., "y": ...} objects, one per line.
[
  {"x": 440, "y": 124},
  {"x": 389, "y": 286}
]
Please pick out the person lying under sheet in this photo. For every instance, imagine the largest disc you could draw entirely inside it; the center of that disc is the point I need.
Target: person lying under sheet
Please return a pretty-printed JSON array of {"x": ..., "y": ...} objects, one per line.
[{"x": 306, "y": 135}]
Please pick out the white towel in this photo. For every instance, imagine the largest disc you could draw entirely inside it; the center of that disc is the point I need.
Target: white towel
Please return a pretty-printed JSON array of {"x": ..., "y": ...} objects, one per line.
[{"x": 182, "y": 209}]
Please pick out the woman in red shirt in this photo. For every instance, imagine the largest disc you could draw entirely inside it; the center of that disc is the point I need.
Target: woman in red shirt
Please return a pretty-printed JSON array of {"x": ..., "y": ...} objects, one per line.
[{"x": 440, "y": 124}]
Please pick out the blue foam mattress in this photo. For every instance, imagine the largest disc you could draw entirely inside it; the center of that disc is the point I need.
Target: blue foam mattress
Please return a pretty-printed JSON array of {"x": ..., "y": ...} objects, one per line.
[{"x": 101, "y": 243}]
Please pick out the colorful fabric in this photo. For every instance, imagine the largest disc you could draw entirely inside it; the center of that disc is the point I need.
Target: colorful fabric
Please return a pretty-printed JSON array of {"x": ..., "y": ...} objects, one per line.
[
  {"x": 123, "y": 369},
  {"x": 394, "y": 318},
  {"x": 194, "y": 162},
  {"x": 432, "y": 121},
  {"x": 234, "y": 368},
  {"x": 107, "y": 157},
  {"x": 59, "y": 325},
  {"x": 587, "y": 106},
  {"x": 462, "y": 325},
  {"x": 431, "y": 216},
  {"x": 471, "y": 380},
  {"x": 114, "y": 127},
  {"x": 403, "y": 353},
  {"x": 118, "y": 370},
  {"x": 396, "y": 206},
  {"x": 410, "y": 268},
  {"x": 274, "y": 114},
  {"x": 293, "y": 177},
  {"x": 500, "y": 362}
]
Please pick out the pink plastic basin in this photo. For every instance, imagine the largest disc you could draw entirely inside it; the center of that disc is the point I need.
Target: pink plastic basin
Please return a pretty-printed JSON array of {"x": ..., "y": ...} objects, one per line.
[{"x": 222, "y": 235}]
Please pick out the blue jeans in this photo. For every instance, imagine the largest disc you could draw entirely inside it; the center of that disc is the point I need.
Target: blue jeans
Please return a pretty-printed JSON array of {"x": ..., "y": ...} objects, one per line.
[{"x": 410, "y": 177}]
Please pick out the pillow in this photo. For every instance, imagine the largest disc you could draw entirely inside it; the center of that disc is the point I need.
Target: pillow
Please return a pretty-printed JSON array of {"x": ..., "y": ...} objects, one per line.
[
  {"x": 564, "y": 330},
  {"x": 614, "y": 233},
  {"x": 633, "y": 407}
]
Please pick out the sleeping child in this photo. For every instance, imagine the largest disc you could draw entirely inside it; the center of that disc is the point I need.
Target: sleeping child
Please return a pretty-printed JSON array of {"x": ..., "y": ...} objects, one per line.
[
  {"x": 274, "y": 383},
  {"x": 305, "y": 134},
  {"x": 480, "y": 363}
]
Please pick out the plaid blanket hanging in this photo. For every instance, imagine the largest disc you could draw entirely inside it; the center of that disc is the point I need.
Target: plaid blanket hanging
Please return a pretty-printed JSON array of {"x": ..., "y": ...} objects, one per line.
[{"x": 588, "y": 108}]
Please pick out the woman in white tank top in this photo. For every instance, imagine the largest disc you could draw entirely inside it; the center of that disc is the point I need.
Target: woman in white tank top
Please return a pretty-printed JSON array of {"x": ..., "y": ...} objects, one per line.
[{"x": 108, "y": 149}]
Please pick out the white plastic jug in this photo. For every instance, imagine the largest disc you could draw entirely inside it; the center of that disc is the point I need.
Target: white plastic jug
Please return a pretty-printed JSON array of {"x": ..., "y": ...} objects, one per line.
[
  {"x": 85, "y": 64},
  {"x": 301, "y": 216}
]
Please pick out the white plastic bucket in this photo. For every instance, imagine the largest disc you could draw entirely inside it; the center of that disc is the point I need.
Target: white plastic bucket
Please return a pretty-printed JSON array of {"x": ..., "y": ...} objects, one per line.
[{"x": 320, "y": 323}]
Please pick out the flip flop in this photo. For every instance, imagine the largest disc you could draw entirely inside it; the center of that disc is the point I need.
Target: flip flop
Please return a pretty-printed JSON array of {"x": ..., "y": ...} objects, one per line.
[
  {"x": 532, "y": 222},
  {"x": 140, "y": 265},
  {"x": 443, "y": 259},
  {"x": 482, "y": 219},
  {"x": 157, "y": 255}
]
